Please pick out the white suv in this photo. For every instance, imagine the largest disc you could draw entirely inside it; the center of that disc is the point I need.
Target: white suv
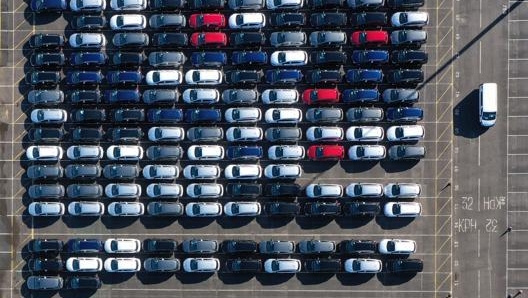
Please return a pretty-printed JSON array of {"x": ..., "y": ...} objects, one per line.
[
  {"x": 166, "y": 77},
  {"x": 167, "y": 133},
  {"x": 203, "y": 209},
  {"x": 201, "y": 172},
  {"x": 128, "y": 22},
  {"x": 405, "y": 133},
  {"x": 44, "y": 153},
  {"x": 367, "y": 152},
  {"x": 122, "y": 245},
  {"x": 85, "y": 152},
  {"x": 370, "y": 190},
  {"x": 397, "y": 246}
]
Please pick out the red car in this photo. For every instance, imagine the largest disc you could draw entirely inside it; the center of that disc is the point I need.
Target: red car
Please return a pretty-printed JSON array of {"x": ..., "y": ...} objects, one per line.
[
  {"x": 315, "y": 96},
  {"x": 367, "y": 37},
  {"x": 200, "y": 39},
  {"x": 326, "y": 152},
  {"x": 207, "y": 20}
]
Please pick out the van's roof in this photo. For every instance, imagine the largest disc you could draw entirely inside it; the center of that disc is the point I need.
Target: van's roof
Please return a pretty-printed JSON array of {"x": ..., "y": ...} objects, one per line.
[{"x": 489, "y": 104}]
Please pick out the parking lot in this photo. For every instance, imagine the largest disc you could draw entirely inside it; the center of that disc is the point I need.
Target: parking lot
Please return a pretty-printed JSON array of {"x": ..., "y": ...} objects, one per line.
[{"x": 432, "y": 231}]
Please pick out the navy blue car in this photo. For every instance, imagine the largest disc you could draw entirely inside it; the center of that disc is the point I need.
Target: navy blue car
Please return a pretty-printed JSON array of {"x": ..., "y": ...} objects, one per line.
[
  {"x": 244, "y": 152},
  {"x": 410, "y": 114},
  {"x": 360, "y": 95},
  {"x": 249, "y": 57},
  {"x": 203, "y": 115},
  {"x": 370, "y": 57},
  {"x": 122, "y": 96},
  {"x": 283, "y": 76},
  {"x": 124, "y": 77},
  {"x": 213, "y": 59},
  {"x": 364, "y": 76},
  {"x": 84, "y": 77},
  {"x": 165, "y": 115},
  {"x": 48, "y": 5},
  {"x": 84, "y": 246},
  {"x": 87, "y": 58}
]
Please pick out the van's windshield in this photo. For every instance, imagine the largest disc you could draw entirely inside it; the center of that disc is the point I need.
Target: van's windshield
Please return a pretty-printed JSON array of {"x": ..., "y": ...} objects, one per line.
[{"x": 489, "y": 116}]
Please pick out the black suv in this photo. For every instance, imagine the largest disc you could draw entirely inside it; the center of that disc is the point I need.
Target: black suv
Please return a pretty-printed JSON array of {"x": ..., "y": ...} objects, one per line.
[
  {"x": 85, "y": 96},
  {"x": 47, "y": 59},
  {"x": 238, "y": 246},
  {"x": 88, "y": 115},
  {"x": 243, "y": 76},
  {"x": 125, "y": 134},
  {"x": 45, "y": 246},
  {"x": 282, "y": 209},
  {"x": 283, "y": 190},
  {"x": 88, "y": 22},
  {"x": 409, "y": 57},
  {"x": 328, "y": 57},
  {"x": 128, "y": 115},
  {"x": 322, "y": 265},
  {"x": 87, "y": 134},
  {"x": 243, "y": 265},
  {"x": 241, "y": 39},
  {"x": 46, "y": 41},
  {"x": 83, "y": 282},
  {"x": 160, "y": 245},
  {"x": 170, "y": 39},
  {"x": 45, "y": 78},
  {"x": 45, "y": 265},
  {"x": 358, "y": 246},
  {"x": 368, "y": 19},
  {"x": 84, "y": 246},
  {"x": 208, "y": 4},
  {"x": 288, "y": 19},
  {"x": 318, "y": 76},
  {"x": 250, "y": 190},
  {"x": 361, "y": 209},
  {"x": 127, "y": 58},
  {"x": 328, "y": 19},
  {"x": 404, "y": 265},
  {"x": 44, "y": 135}
]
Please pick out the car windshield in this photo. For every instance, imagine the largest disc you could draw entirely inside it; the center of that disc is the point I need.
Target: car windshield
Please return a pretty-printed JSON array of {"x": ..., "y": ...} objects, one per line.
[
  {"x": 391, "y": 246},
  {"x": 198, "y": 152},
  {"x": 78, "y": 39},
  {"x": 358, "y": 133},
  {"x": 276, "y": 115},
  {"x": 239, "y": 19},
  {"x": 38, "y": 208},
  {"x": 489, "y": 116},
  {"x": 403, "y": 18},
  {"x": 201, "y": 40},
  {"x": 75, "y": 264},
  {"x": 319, "y": 151},
  {"x": 237, "y": 133},
  {"x": 275, "y": 171},
  {"x": 360, "y": 151},
  {"x": 395, "y": 189},
  {"x": 363, "y": 37},
  {"x": 196, "y": 208},
  {"x": 236, "y": 171},
  {"x": 402, "y": 35},
  {"x": 275, "y": 265},
  {"x": 194, "y": 265},
  {"x": 153, "y": 172},
  {"x": 356, "y": 265},
  {"x": 399, "y": 132},
  {"x": 400, "y": 151},
  {"x": 77, "y": 208},
  {"x": 114, "y": 264},
  {"x": 396, "y": 209},
  {"x": 317, "y": 190},
  {"x": 282, "y": 57},
  {"x": 279, "y": 152},
  {"x": 358, "y": 189},
  {"x": 118, "y": 208},
  {"x": 196, "y": 76},
  {"x": 120, "y": 21},
  {"x": 318, "y": 133},
  {"x": 235, "y": 208},
  {"x": 236, "y": 114},
  {"x": 156, "y": 76}
]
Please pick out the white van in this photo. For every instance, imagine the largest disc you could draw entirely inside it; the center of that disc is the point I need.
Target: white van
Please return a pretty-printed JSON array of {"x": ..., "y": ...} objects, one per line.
[{"x": 487, "y": 104}]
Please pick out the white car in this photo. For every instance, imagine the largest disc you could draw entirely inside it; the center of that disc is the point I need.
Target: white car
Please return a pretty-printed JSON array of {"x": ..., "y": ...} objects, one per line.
[
  {"x": 126, "y": 209},
  {"x": 367, "y": 152},
  {"x": 122, "y": 245},
  {"x": 46, "y": 209},
  {"x": 402, "y": 209},
  {"x": 410, "y": 19},
  {"x": 363, "y": 265},
  {"x": 280, "y": 96},
  {"x": 205, "y": 190},
  {"x": 85, "y": 152},
  {"x": 88, "y": 208},
  {"x": 87, "y": 5},
  {"x": 283, "y": 115},
  {"x": 289, "y": 58},
  {"x": 282, "y": 266},
  {"x": 324, "y": 134},
  {"x": 87, "y": 40},
  {"x": 122, "y": 265},
  {"x": 402, "y": 190},
  {"x": 244, "y": 134},
  {"x": 75, "y": 264},
  {"x": 164, "y": 77},
  {"x": 203, "y": 77},
  {"x": 283, "y": 171},
  {"x": 128, "y": 4},
  {"x": 166, "y": 134},
  {"x": 161, "y": 172},
  {"x": 397, "y": 246},
  {"x": 243, "y": 171},
  {"x": 242, "y": 208},
  {"x": 319, "y": 190},
  {"x": 201, "y": 265},
  {"x": 286, "y": 152},
  {"x": 205, "y": 96},
  {"x": 243, "y": 115},
  {"x": 367, "y": 190},
  {"x": 128, "y": 22},
  {"x": 44, "y": 153},
  {"x": 284, "y": 4},
  {"x": 49, "y": 116},
  {"x": 164, "y": 190},
  {"x": 203, "y": 209},
  {"x": 247, "y": 20},
  {"x": 405, "y": 133},
  {"x": 123, "y": 190},
  {"x": 201, "y": 172},
  {"x": 205, "y": 152},
  {"x": 364, "y": 133},
  {"x": 124, "y": 152}
]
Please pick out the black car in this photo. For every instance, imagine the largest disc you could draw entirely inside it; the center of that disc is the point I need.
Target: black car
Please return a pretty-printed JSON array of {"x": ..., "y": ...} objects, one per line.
[
  {"x": 239, "y": 246},
  {"x": 87, "y": 134},
  {"x": 368, "y": 19},
  {"x": 47, "y": 59},
  {"x": 370, "y": 57},
  {"x": 83, "y": 171},
  {"x": 160, "y": 96},
  {"x": 45, "y": 97},
  {"x": 84, "y": 191},
  {"x": 405, "y": 76},
  {"x": 46, "y": 135},
  {"x": 128, "y": 115},
  {"x": 45, "y": 265},
  {"x": 358, "y": 246},
  {"x": 244, "y": 39},
  {"x": 125, "y": 134},
  {"x": 240, "y": 96},
  {"x": 249, "y": 190},
  {"x": 45, "y": 245},
  {"x": 404, "y": 265},
  {"x": 133, "y": 39},
  {"x": 243, "y": 76},
  {"x": 166, "y": 4},
  {"x": 43, "y": 78},
  {"x": 160, "y": 245},
  {"x": 205, "y": 4},
  {"x": 323, "y": 265},
  {"x": 48, "y": 5},
  {"x": 416, "y": 57},
  {"x": 318, "y": 4},
  {"x": 328, "y": 57},
  {"x": 243, "y": 265},
  {"x": 128, "y": 59},
  {"x": 405, "y": 4},
  {"x": 84, "y": 77},
  {"x": 318, "y": 76},
  {"x": 287, "y": 19},
  {"x": 283, "y": 190},
  {"x": 85, "y": 96},
  {"x": 46, "y": 41},
  {"x": 83, "y": 282},
  {"x": 282, "y": 209},
  {"x": 88, "y": 115},
  {"x": 328, "y": 19},
  {"x": 121, "y": 171},
  {"x": 45, "y": 172},
  {"x": 80, "y": 246},
  {"x": 124, "y": 77},
  {"x": 170, "y": 40},
  {"x": 46, "y": 191},
  {"x": 361, "y": 209},
  {"x": 322, "y": 209},
  {"x": 118, "y": 96},
  {"x": 164, "y": 152},
  {"x": 88, "y": 58},
  {"x": 88, "y": 22}
]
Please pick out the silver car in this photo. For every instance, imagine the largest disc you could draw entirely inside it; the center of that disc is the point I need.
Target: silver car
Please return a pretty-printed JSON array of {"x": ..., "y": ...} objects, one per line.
[
  {"x": 86, "y": 208},
  {"x": 324, "y": 115},
  {"x": 165, "y": 59},
  {"x": 46, "y": 209},
  {"x": 288, "y": 39}
]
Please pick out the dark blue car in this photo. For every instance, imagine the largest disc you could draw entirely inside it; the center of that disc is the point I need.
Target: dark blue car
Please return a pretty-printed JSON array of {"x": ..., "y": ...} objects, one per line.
[
  {"x": 84, "y": 77},
  {"x": 244, "y": 152},
  {"x": 124, "y": 77},
  {"x": 360, "y": 95},
  {"x": 48, "y": 5},
  {"x": 122, "y": 96},
  {"x": 165, "y": 115},
  {"x": 404, "y": 114},
  {"x": 356, "y": 76},
  {"x": 249, "y": 57},
  {"x": 87, "y": 58},
  {"x": 203, "y": 115},
  {"x": 283, "y": 76},
  {"x": 370, "y": 57},
  {"x": 84, "y": 246},
  {"x": 213, "y": 59}
]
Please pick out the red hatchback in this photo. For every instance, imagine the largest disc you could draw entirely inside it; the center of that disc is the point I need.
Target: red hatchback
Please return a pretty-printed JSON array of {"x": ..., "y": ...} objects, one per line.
[
  {"x": 370, "y": 37},
  {"x": 207, "y": 20},
  {"x": 200, "y": 39},
  {"x": 326, "y": 152},
  {"x": 316, "y": 96}
]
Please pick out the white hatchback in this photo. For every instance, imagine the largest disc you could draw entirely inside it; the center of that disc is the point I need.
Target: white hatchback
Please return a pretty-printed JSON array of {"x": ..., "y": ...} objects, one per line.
[
  {"x": 410, "y": 19},
  {"x": 324, "y": 134},
  {"x": 253, "y": 20},
  {"x": 367, "y": 190},
  {"x": 397, "y": 246},
  {"x": 244, "y": 134},
  {"x": 243, "y": 115},
  {"x": 205, "y": 152},
  {"x": 243, "y": 171},
  {"x": 128, "y": 22},
  {"x": 85, "y": 152},
  {"x": 166, "y": 133},
  {"x": 286, "y": 152},
  {"x": 242, "y": 208},
  {"x": 402, "y": 190},
  {"x": 283, "y": 171},
  {"x": 364, "y": 133},
  {"x": 44, "y": 153},
  {"x": 203, "y": 209},
  {"x": 124, "y": 152},
  {"x": 283, "y": 115},
  {"x": 405, "y": 133},
  {"x": 164, "y": 190},
  {"x": 201, "y": 172},
  {"x": 367, "y": 152},
  {"x": 122, "y": 245},
  {"x": 164, "y": 77},
  {"x": 122, "y": 265},
  {"x": 203, "y": 96},
  {"x": 75, "y": 264},
  {"x": 201, "y": 265},
  {"x": 319, "y": 190},
  {"x": 402, "y": 209},
  {"x": 289, "y": 58},
  {"x": 203, "y": 77},
  {"x": 205, "y": 190},
  {"x": 280, "y": 96},
  {"x": 363, "y": 266}
]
